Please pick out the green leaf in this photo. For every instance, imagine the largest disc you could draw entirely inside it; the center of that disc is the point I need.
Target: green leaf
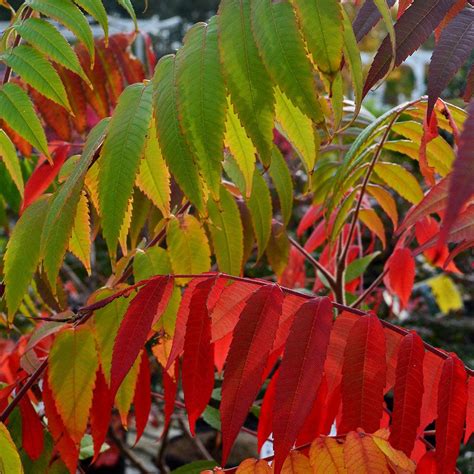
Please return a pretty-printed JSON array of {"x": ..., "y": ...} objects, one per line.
[
  {"x": 9, "y": 458},
  {"x": 69, "y": 15},
  {"x": 247, "y": 79},
  {"x": 153, "y": 176},
  {"x": 384, "y": 10},
  {"x": 174, "y": 147},
  {"x": 352, "y": 56},
  {"x": 281, "y": 178},
  {"x": 195, "y": 467},
  {"x": 278, "y": 249},
  {"x": 23, "y": 253},
  {"x": 298, "y": 129},
  {"x": 283, "y": 51},
  {"x": 62, "y": 211},
  {"x": 241, "y": 148},
  {"x": 12, "y": 163},
  {"x": 120, "y": 158},
  {"x": 202, "y": 100},
  {"x": 260, "y": 207},
  {"x": 96, "y": 9},
  {"x": 127, "y": 5},
  {"x": 151, "y": 262},
  {"x": 401, "y": 180},
  {"x": 358, "y": 267},
  {"x": 226, "y": 233},
  {"x": 80, "y": 241},
  {"x": 17, "y": 110},
  {"x": 72, "y": 365},
  {"x": 34, "y": 69},
  {"x": 49, "y": 41},
  {"x": 188, "y": 247},
  {"x": 212, "y": 417},
  {"x": 321, "y": 24}
]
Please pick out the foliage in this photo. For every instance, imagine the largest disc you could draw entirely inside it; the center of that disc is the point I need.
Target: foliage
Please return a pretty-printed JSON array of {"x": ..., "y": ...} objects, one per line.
[{"x": 169, "y": 183}]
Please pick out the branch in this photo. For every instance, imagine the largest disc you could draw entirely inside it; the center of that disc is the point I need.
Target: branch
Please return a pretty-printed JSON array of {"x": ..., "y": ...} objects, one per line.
[{"x": 127, "y": 452}]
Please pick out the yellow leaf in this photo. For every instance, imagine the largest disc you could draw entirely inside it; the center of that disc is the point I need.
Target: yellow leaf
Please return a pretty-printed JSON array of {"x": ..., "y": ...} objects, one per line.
[
  {"x": 446, "y": 293},
  {"x": 327, "y": 456},
  {"x": 296, "y": 463},
  {"x": 126, "y": 226},
  {"x": 240, "y": 146},
  {"x": 370, "y": 218},
  {"x": 253, "y": 466},
  {"x": 80, "y": 241},
  {"x": 398, "y": 460},
  {"x": 399, "y": 179},
  {"x": 188, "y": 247},
  {"x": 124, "y": 397},
  {"x": 72, "y": 368},
  {"x": 361, "y": 455},
  {"x": 153, "y": 177},
  {"x": 10, "y": 462}
]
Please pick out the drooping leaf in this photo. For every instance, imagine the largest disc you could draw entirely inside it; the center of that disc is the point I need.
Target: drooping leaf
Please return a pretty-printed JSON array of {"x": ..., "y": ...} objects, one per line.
[
  {"x": 124, "y": 397},
  {"x": 59, "y": 220},
  {"x": 447, "y": 295},
  {"x": 9, "y": 458},
  {"x": 300, "y": 372},
  {"x": 358, "y": 267},
  {"x": 175, "y": 149},
  {"x": 469, "y": 411},
  {"x": 385, "y": 201},
  {"x": 12, "y": 163},
  {"x": 96, "y": 9},
  {"x": 361, "y": 454},
  {"x": 71, "y": 374},
  {"x": 35, "y": 70},
  {"x": 452, "y": 403},
  {"x": 451, "y": 52},
  {"x": 198, "y": 363},
  {"x": 371, "y": 219},
  {"x": 296, "y": 463},
  {"x": 226, "y": 233},
  {"x": 128, "y": 7},
  {"x": 31, "y": 430},
  {"x": 247, "y": 80},
  {"x": 142, "y": 396},
  {"x": 100, "y": 412},
  {"x": 80, "y": 241},
  {"x": 298, "y": 129},
  {"x": 251, "y": 344},
  {"x": 401, "y": 274},
  {"x": 321, "y": 24},
  {"x": 23, "y": 254},
  {"x": 460, "y": 184},
  {"x": 408, "y": 393},
  {"x": 254, "y": 466},
  {"x": 202, "y": 99},
  {"x": 367, "y": 17},
  {"x": 135, "y": 326},
  {"x": 363, "y": 376},
  {"x": 17, "y": 111},
  {"x": 260, "y": 207},
  {"x": 120, "y": 158},
  {"x": 282, "y": 49},
  {"x": 411, "y": 31},
  {"x": 69, "y": 15},
  {"x": 188, "y": 247}
]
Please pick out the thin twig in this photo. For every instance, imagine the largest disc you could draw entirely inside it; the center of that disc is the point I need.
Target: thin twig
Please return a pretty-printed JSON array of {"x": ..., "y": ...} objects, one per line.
[
  {"x": 195, "y": 440},
  {"x": 369, "y": 290},
  {"x": 127, "y": 452}
]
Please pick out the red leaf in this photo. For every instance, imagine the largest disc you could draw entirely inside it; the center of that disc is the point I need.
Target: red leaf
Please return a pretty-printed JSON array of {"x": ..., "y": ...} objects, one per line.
[
  {"x": 451, "y": 52},
  {"x": 470, "y": 411},
  {"x": 142, "y": 396},
  {"x": 401, "y": 274},
  {"x": 253, "y": 339},
  {"x": 135, "y": 326},
  {"x": 432, "y": 366},
  {"x": 63, "y": 443},
  {"x": 314, "y": 423},
  {"x": 408, "y": 393},
  {"x": 453, "y": 12},
  {"x": 310, "y": 217},
  {"x": 43, "y": 176},
  {"x": 452, "y": 403},
  {"x": 100, "y": 412},
  {"x": 427, "y": 464},
  {"x": 301, "y": 371},
  {"x": 221, "y": 350},
  {"x": 265, "y": 419},
  {"x": 430, "y": 132},
  {"x": 462, "y": 176},
  {"x": 392, "y": 341},
  {"x": 198, "y": 357},
  {"x": 411, "y": 31},
  {"x": 469, "y": 90},
  {"x": 170, "y": 387},
  {"x": 363, "y": 376},
  {"x": 402, "y": 6},
  {"x": 181, "y": 322},
  {"x": 31, "y": 430},
  {"x": 367, "y": 17}
]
